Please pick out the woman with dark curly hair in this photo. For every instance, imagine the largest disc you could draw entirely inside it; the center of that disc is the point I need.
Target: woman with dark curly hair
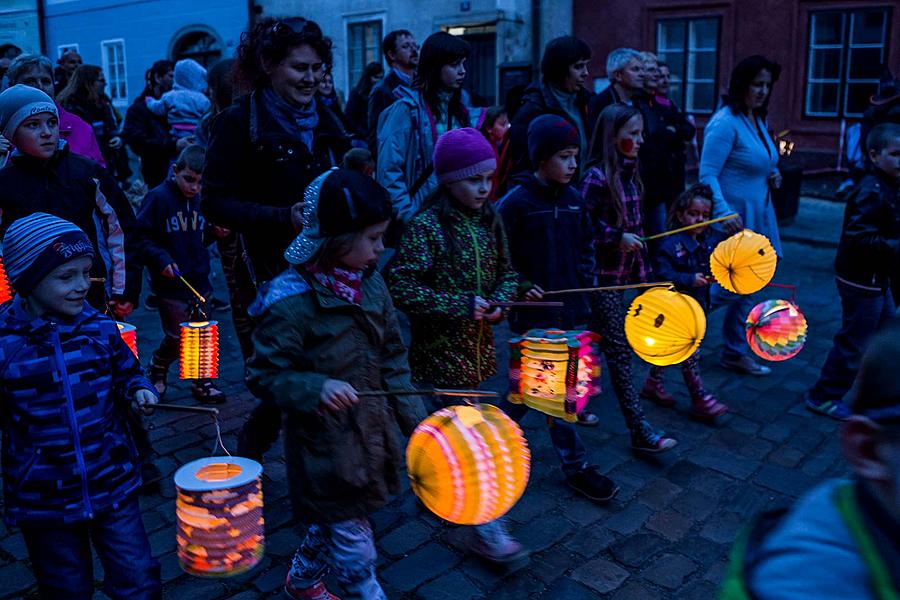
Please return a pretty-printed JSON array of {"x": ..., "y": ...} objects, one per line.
[{"x": 264, "y": 150}]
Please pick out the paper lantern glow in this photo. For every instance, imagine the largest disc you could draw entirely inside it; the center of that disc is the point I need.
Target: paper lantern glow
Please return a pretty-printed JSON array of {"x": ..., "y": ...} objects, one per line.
[
  {"x": 555, "y": 372},
  {"x": 6, "y": 290},
  {"x": 199, "y": 350},
  {"x": 744, "y": 263},
  {"x": 129, "y": 336},
  {"x": 776, "y": 330},
  {"x": 664, "y": 327},
  {"x": 219, "y": 510},
  {"x": 469, "y": 465}
]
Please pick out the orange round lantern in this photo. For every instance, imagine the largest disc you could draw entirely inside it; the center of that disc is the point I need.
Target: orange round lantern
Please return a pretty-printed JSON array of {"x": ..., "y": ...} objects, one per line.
[
  {"x": 219, "y": 511},
  {"x": 199, "y": 350},
  {"x": 664, "y": 327},
  {"x": 469, "y": 465},
  {"x": 6, "y": 290},
  {"x": 776, "y": 330},
  {"x": 744, "y": 263},
  {"x": 129, "y": 336}
]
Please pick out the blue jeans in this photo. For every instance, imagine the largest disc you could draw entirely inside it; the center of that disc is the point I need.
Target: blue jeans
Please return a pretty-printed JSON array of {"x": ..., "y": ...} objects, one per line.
[
  {"x": 565, "y": 438},
  {"x": 737, "y": 308},
  {"x": 863, "y": 312},
  {"x": 655, "y": 219},
  {"x": 62, "y": 563}
]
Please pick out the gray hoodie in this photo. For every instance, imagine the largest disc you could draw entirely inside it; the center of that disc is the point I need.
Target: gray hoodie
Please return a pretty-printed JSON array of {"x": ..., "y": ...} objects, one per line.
[{"x": 186, "y": 103}]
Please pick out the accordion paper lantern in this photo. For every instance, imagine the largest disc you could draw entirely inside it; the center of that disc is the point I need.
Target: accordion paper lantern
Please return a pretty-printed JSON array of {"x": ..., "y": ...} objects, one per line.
[
  {"x": 555, "y": 372},
  {"x": 664, "y": 327},
  {"x": 199, "y": 350},
  {"x": 129, "y": 336},
  {"x": 776, "y": 330},
  {"x": 469, "y": 465},
  {"x": 744, "y": 263},
  {"x": 219, "y": 512},
  {"x": 6, "y": 291}
]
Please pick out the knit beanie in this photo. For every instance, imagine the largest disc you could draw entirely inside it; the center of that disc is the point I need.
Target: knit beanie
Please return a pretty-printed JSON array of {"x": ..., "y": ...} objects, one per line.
[
  {"x": 35, "y": 245},
  {"x": 462, "y": 153},
  {"x": 20, "y": 102},
  {"x": 547, "y": 135}
]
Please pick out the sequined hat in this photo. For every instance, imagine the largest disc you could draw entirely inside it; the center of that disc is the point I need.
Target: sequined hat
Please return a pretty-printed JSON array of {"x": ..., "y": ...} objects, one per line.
[{"x": 338, "y": 201}]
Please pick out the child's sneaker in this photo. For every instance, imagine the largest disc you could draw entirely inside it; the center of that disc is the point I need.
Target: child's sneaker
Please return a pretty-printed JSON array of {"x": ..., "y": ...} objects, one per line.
[
  {"x": 494, "y": 544},
  {"x": 707, "y": 407},
  {"x": 590, "y": 483},
  {"x": 588, "y": 419},
  {"x": 830, "y": 408},
  {"x": 655, "y": 391},
  {"x": 316, "y": 592},
  {"x": 646, "y": 440},
  {"x": 206, "y": 392}
]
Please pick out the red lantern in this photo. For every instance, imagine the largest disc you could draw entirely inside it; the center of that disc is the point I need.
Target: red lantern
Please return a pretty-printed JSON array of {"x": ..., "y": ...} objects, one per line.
[
  {"x": 555, "y": 372},
  {"x": 129, "y": 336},
  {"x": 219, "y": 509},
  {"x": 199, "y": 350},
  {"x": 6, "y": 291}
]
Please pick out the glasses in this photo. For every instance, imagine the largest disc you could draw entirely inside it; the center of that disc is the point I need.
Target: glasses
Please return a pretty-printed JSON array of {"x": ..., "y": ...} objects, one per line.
[{"x": 293, "y": 25}]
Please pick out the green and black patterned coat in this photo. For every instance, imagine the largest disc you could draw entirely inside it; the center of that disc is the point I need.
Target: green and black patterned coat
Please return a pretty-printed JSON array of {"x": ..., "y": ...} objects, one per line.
[{"x": 436, "y": 290}]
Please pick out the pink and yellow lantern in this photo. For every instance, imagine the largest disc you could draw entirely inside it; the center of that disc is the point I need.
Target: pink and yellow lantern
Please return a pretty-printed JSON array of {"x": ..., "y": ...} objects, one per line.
[
  {"x": 199, "y": 350},
  {"x": 776, "y": 330},
  {"x": 555, "y": 372},
  {"x": 219, "y": 510}
]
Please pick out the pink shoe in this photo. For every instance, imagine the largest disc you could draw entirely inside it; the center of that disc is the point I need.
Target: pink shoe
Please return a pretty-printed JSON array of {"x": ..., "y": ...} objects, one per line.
[
  {"x": 707, "y": 407},
  {"x": 655, "y": 391},
  {"x": 316, "y": 592}
]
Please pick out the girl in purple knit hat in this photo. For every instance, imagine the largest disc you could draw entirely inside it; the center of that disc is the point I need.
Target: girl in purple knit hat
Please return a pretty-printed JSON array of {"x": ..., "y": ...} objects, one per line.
[{"x": 452, "y": 264}]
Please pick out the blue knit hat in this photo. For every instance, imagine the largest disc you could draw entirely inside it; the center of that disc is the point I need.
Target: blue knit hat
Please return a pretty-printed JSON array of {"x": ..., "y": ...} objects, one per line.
[
  {"x": 35, "y": 245},
  {"x": 549, "y": 134}
]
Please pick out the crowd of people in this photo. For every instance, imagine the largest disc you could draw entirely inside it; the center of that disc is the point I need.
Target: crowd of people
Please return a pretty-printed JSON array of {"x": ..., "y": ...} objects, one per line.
[{"x": 328, "y": 221}]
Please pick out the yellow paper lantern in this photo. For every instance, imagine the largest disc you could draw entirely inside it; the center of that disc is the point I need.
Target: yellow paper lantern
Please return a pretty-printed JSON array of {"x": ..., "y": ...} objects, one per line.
[
  {"x": 219, "y": 510},
  {"x": 744, "y": 263},
  {"x": 129, "y": 336},
  {"x": 664, "y": 327},
  {"x": 6, "y": 290},
  {"x": 555, "y": 372},
  {"x": 199, "y": 350},
  {"x": 469, "y": 465}
]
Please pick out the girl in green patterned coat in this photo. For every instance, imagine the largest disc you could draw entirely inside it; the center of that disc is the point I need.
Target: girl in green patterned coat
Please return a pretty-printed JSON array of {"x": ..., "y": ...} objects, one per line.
[{"x": 452, "y": 263}]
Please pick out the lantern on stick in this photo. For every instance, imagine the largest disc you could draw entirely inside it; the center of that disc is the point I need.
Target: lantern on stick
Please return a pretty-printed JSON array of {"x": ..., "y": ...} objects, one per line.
[
  {"x": 776, "y": 330},
  {"x": 199, "y": 350},
  {"x": 744, "y": 263},
  {"x": 219, "y": 510},
  {"x": 664, "y": 327},
  {"x": 6, "y": 290},
  {"x": 129, "y": 336},
  {"x": 468, "y": 464},
  {"x": 555, "y": 372}
]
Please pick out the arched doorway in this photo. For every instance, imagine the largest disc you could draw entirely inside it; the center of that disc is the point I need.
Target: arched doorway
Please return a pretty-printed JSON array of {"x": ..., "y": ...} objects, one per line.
[{"x": 199, "y": 43}]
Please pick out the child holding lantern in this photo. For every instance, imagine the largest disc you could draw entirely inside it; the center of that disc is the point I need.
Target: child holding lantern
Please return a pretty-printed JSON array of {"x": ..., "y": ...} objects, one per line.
[
  {"x": 452, "y": 263},
  {"x": 176, "y": 237},
  {"x": 683, "y": 259},
  {"x": 70, "y": 467},
  {"x": 326, "y": 330},
  {"x": 612, "y": 191}
]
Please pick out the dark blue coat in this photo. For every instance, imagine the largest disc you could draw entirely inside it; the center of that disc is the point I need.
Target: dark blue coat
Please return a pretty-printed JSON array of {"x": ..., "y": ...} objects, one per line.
[
  {"x": 175, "y": 231},
  {"x": 65, "y": 383},
  {"x": 550, "y": 244},
  {"x": 679, "y": 257}
]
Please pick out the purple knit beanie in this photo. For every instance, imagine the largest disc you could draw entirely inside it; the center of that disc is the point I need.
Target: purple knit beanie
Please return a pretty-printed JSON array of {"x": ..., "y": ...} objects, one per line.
[{"x": 462, "y": 153}]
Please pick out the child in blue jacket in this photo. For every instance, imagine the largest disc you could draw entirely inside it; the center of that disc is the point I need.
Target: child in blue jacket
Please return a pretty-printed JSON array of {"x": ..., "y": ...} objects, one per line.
[
  {"x": 683, "y": 259},
  {"x": 70, "y": 467}
]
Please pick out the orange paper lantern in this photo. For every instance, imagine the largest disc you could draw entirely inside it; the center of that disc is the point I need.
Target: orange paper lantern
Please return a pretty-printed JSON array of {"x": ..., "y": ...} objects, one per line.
[
  {"x": 469, "y": 465},
  {"x": 219, "y": 510},
  {"x": 129, "y": 336},
  {"x": 6, "y": 290},
  {"x": 744, "y": 263},
  {"x": 199, "y": 350},
  {"x": 664, "y": 327},
  {"x": 555, "y": 372}
]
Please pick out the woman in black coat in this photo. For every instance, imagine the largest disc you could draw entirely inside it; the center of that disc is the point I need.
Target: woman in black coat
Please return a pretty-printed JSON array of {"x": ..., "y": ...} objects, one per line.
[
  {"x": 357, "y": 112},
  {"x": 148, "y": 134}
]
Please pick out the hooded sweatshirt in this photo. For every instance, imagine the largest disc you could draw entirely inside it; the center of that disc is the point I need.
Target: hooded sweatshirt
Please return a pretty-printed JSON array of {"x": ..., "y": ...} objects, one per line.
[{"x": 186, "y": 103}]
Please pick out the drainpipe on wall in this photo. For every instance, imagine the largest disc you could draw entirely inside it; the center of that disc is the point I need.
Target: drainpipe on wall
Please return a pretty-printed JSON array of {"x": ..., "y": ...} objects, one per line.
[
  {"x": 42, "y": 33},
  {"x": 536, "y": 38}
]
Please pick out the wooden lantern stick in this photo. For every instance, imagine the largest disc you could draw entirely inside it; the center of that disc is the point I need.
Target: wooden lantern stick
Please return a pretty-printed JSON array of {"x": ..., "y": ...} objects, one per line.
[
  {"x": 431, "y": 392},
  {"x": 178, "y": 407},
  {"x": 536, "y": 304},
  {"x": 689, "y": 227},
  {"x": 610, "y": 288},
  {"x": 190, "y": 287}
]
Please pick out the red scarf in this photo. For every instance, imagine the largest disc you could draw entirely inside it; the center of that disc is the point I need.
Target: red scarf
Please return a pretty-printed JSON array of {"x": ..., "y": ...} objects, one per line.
[{"x": 345, "y": 284}]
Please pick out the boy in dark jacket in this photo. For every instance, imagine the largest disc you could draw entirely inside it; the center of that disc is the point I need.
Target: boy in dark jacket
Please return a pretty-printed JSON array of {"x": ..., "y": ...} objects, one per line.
[
  {"x": 549, "y": 233},
  {"x": 867, "y": 257},
  {"x": 177, "y": 236},
  {"x": 70, "y": 472}
]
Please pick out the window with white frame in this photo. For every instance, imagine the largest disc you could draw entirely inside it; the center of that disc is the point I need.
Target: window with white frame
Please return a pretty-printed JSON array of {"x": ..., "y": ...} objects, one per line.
[
  {"x": 113, "y": 53},
  {"x": 363, "y": 47},
  {"x": 62, "y": 49},
  {"x": 846, "y": 51},
  {"x": 691, "y": 49}
]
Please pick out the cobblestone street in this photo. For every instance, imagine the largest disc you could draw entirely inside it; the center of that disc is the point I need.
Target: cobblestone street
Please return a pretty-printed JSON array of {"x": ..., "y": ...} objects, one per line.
[{"x": 666, "y": 535}]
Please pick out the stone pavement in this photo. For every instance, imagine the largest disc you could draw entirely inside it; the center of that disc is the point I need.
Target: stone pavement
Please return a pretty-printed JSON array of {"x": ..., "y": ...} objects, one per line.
[{"x": 666, "y": 535}]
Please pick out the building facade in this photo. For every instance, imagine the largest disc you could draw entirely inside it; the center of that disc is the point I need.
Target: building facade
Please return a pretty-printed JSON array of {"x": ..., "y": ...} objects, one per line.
[
  {"x": 19, "y": 27},
  {"x": 501, "y": 33},
  {"x": 125, "y": 37},
  {"x": 831, "y": 51}
]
